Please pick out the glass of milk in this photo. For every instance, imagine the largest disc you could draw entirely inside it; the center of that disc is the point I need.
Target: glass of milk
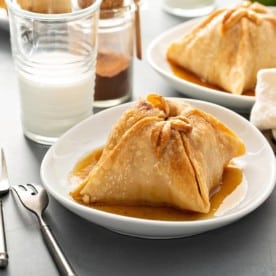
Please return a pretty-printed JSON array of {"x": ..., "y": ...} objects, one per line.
[
  {"x": 54, "y": 46},
  {"x": 188, "y": 8}
]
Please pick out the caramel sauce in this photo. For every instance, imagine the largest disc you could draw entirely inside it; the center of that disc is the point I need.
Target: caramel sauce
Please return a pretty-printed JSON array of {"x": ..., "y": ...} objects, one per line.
[
  {"x": 113, "y": 76},
  {"x": 232, "y": 178},
  {"x": 188, "y": 76}
]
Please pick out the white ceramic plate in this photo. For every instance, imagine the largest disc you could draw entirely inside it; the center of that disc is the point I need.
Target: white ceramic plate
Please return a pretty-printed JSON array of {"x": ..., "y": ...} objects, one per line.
[
  {"x": 156, "y": 56},
  {"x": 93, "y": 132}
]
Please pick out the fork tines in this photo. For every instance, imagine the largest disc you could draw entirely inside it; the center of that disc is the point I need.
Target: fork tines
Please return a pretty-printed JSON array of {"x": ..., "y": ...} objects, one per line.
[{"x": 26, "y": 187}]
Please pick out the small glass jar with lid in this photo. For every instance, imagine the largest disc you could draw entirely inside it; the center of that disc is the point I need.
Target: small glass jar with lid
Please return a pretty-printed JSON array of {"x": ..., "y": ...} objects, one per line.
[{"x": 114, "y": 68}]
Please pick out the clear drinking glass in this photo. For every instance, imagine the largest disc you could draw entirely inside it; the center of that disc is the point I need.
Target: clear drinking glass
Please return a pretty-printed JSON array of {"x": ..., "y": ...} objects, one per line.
[
  {"x": 54, "y": 46},
  {"x": 114, "y": 70},
  {"x": 188, "y": 8}
]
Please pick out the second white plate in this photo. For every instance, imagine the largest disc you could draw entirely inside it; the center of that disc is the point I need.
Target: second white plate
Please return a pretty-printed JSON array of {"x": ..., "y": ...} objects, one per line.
[{"x": 156, "y": 56}]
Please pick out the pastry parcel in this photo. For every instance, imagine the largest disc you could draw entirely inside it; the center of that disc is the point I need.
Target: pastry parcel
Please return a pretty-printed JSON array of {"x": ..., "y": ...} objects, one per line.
[
  {"x": 161, "y": 152},
  {"x": 229, "y": 47}
]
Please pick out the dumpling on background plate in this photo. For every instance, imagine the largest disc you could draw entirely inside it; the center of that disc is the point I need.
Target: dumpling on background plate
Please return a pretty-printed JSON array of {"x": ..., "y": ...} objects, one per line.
[
  {"x": 161, "y": 152},
  {"x": 229, "y": 47}
]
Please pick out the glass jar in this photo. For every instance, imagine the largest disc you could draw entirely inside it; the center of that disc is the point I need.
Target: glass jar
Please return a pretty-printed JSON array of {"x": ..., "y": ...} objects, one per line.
[
  {"x": 54, "y": 46},
  {"x": 114, "y": 68}
]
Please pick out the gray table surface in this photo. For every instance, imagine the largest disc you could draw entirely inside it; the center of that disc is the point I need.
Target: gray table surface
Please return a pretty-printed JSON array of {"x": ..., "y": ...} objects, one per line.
[{"x": 247, "y": 247}]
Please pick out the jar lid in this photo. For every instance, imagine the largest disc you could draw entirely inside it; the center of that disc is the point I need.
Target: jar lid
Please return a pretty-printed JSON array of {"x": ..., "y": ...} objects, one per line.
[
  {"x": 112, "y": 4},
  {"x": 113, "y": 8}
]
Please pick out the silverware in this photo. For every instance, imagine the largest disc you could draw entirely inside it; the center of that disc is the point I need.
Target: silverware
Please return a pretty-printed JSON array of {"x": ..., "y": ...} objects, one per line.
[
  {"x": 4, "y": 189},
  {"x": 35, "y": 199}
]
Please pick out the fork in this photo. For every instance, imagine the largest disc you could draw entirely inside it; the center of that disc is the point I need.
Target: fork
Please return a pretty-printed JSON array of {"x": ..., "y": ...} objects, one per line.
[
  {"x": 4, "y": 189},
  {"x": 35, "y": 199}
]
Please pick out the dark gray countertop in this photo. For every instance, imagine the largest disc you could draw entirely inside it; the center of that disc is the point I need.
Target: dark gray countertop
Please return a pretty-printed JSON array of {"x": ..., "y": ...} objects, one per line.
[{"x": 247, "y": 247}]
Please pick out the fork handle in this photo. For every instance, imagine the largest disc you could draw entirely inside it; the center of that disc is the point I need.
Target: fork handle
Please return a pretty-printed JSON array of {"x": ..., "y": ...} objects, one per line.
[
  {"x": 4, "y": 258},
  {"x": 61, "y": 261}
]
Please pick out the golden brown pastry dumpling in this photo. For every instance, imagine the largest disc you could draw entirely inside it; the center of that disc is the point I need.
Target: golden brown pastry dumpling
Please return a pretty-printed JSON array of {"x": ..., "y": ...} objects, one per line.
[
  {"x": 161, "y": 153},
  {"x": 229, "y": 47}
]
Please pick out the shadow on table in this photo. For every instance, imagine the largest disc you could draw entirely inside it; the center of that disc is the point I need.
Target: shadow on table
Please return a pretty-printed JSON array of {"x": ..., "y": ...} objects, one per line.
[{"x": 231, "y": 250}]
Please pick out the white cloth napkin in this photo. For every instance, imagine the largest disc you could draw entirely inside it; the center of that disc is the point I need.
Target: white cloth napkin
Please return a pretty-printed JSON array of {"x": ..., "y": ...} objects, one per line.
[{"x": 263, "y": 113}]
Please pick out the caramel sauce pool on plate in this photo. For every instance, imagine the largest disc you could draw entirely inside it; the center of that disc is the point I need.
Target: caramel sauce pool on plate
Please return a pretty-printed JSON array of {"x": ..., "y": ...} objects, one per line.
[
  {"x": 232, "y": 178},
  {"x": 190, "y": 77}
]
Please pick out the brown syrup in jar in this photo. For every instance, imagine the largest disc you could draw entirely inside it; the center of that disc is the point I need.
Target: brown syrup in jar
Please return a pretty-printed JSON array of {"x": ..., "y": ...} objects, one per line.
[
  {"x": 113, "y": 76},
  {"x": 188, "y": 76},
  {"x": 232, "y": 178}
]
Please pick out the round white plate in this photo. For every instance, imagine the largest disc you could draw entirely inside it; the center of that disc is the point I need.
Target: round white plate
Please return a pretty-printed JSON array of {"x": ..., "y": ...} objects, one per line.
[
  {"x": 156, "y": 56},
  {"x": 93, "y": 132}
]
